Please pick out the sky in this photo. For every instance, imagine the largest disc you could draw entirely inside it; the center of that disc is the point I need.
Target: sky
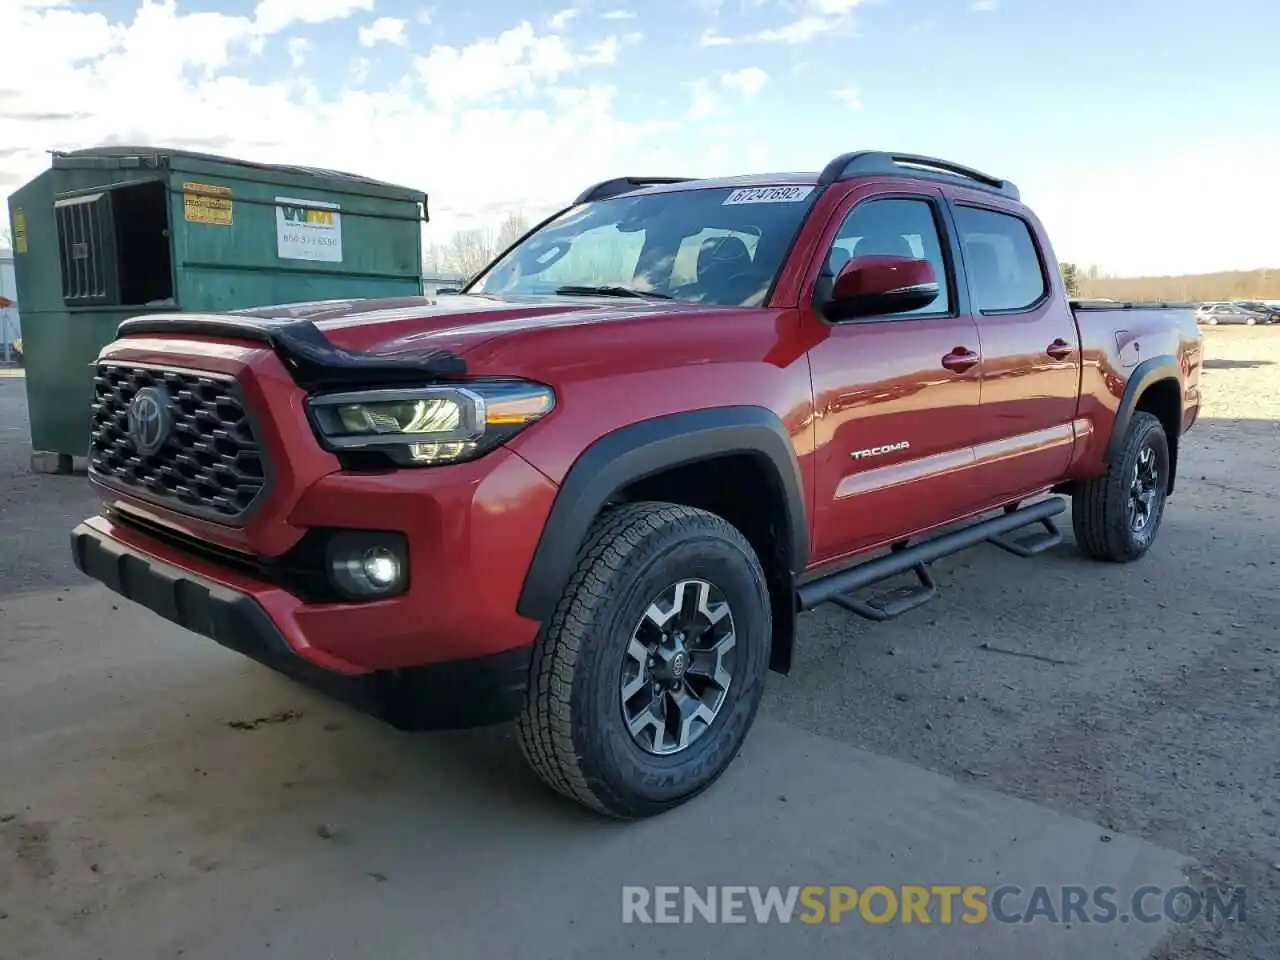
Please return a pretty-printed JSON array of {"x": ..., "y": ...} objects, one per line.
[{"x": 1144, "y": 133}]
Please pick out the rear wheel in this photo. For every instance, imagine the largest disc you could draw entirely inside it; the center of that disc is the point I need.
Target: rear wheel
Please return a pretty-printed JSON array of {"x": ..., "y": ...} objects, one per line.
[
  {"x": 648, "y": 676},
  {"x": 1116, "y": 516}
]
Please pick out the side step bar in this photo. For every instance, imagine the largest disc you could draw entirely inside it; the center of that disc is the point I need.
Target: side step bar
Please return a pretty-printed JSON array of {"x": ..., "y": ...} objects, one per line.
[
  {"x": 1038, "y": 541},
  {"x": 915, "y": 557}
]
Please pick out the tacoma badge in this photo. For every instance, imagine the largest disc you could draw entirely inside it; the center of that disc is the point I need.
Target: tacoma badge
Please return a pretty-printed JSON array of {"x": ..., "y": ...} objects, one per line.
[{"x": 880, "y": 451}]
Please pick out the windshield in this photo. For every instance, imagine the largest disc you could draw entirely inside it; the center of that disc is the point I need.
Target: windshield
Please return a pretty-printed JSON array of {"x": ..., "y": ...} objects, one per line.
[{"x": 716, "y": 246}]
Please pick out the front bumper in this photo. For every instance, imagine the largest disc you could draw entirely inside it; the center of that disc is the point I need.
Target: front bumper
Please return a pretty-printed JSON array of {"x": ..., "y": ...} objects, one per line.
[
  {"x": 193, "y": 602},
  {"x": 459, "y": 693}
]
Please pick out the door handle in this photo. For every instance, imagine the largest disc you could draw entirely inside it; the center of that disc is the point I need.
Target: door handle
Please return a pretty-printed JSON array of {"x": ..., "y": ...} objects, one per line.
[
  {"x": 959, "y": 359},
  {"x": 1059, "y": 349}
]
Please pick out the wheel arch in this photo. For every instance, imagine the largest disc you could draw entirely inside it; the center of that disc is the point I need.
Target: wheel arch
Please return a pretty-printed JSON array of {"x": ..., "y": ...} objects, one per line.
[
  {"x": 686, "y": 458},
  {"x": 1154, "y": 387}
]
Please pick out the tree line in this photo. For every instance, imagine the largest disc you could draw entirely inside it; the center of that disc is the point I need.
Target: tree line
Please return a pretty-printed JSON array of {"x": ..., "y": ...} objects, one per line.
[
  {"x": 466, "y": 252},
  {"x": 1087, "y": 282}
]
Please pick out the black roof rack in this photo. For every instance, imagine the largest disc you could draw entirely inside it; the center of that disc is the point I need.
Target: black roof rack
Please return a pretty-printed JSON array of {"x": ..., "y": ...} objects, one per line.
[
  {"x": 620, "y": 185},
  {"x": 863, "y": 162}
]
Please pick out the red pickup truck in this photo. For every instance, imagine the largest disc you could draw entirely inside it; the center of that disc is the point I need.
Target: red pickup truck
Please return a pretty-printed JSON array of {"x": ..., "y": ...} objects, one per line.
[{"x": 593, "y": 491}]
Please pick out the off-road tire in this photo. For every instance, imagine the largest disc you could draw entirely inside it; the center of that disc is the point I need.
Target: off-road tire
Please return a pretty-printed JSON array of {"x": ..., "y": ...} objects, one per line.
[
  {"x": 572, "y": 730},
  {"x": 1099, "y": 507}
]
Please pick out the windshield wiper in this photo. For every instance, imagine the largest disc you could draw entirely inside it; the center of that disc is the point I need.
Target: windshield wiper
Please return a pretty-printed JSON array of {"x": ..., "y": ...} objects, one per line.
[{"x": 582, "y": 290}]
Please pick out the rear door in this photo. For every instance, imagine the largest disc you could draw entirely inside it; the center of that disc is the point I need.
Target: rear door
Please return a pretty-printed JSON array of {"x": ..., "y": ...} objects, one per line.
[
  {"x": 1030, "y": 349},
  {"x": 896, "y": 397}
]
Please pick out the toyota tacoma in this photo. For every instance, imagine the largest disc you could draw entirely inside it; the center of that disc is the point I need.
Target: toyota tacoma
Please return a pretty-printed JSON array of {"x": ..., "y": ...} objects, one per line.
[{"x": 593, "y": 490}]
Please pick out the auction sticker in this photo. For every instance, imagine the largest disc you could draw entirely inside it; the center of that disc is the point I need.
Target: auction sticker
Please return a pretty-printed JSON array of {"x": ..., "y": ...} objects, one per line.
[{"x": 767, "y": 195}]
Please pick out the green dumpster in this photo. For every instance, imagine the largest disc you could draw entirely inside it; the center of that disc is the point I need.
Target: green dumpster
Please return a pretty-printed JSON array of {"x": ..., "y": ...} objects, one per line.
[{"x": 113, "y": 232}]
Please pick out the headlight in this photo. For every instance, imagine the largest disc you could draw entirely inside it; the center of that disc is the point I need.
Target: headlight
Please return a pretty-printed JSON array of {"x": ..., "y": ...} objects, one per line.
[{"x": 428, "y": 425}]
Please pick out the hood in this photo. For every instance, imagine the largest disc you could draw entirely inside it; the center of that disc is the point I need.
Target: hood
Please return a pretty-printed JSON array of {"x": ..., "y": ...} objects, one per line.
[{"x": 456, "y": 323}]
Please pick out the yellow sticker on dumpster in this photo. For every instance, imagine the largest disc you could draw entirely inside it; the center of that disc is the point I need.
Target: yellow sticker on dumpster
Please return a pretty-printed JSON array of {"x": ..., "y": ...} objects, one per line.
[
  {"x": 204, "y": 203},
  {"x": 19, "y": 231}
]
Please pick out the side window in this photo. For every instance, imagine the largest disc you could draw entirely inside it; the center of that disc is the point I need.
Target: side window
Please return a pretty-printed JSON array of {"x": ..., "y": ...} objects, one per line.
[
  {"x": 1001, "y": 257},
  {"x": 895, "y": 227}
]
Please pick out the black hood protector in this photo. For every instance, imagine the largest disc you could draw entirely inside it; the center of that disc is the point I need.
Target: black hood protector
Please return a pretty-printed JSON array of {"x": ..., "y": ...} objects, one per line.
[{"x": 311, "y": 359}]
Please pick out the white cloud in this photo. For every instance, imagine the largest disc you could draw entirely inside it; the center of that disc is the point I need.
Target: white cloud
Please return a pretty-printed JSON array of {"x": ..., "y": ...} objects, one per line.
[
  {"x": 384, "y": 30},
  {"x": 618, "y": 15},
  {"x": 272, "y": 16},
  {"x": 562, "y": 18},
  {"x": 603, "y": 53},
  {"x": 748, "y": 81},
  {"x": 73, "y": 78},
  {"x": 705, "y": 102},
  {"x": 424, "y": 17},
  {"x": 358, "y": 71},
  {"x": 833, "y": 8},
  {"x": 798, "y": 31},
  {"x": 850, "y": 97},
  {"x": 514, "y": 61},
  {"x": 811, "y": 19},
  {"x": 298, "y": 47},
  {"x": 982, "y": 6}
]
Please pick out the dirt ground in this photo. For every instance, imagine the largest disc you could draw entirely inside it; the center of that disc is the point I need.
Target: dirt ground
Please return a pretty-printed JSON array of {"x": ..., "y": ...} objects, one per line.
[{"x": 1142, "y": 699}]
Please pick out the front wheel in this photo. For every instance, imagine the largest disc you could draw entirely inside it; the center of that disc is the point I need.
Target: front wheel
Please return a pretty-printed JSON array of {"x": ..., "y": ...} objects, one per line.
[
  {"x": 648, "y": 676},
  {"x": 1116, "y": 516}
]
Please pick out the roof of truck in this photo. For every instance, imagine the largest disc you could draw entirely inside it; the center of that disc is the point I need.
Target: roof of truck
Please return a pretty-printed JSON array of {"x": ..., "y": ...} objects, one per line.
[{"x": 847, "y": 166}]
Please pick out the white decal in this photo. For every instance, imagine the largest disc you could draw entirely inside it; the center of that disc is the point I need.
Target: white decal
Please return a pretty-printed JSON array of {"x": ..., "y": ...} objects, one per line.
[
  {"x": 308, "y": 230},
  {"x": 767, "y": 195},
  {"x": 881, "y": 451}
]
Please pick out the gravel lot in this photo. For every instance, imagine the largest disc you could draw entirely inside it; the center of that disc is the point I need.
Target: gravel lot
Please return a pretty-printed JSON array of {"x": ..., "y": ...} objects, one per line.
[{"x": 1142, "y": 699}]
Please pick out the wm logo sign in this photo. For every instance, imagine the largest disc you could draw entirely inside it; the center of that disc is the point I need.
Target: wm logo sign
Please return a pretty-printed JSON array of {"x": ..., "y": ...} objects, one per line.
[{"x": 308, "y": 215}]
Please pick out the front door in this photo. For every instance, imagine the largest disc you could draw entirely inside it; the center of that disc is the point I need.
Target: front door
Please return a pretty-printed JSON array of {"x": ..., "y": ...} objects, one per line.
[
  {"x": 1030, "y": 352},
  {"x": 895, "y": 397}
]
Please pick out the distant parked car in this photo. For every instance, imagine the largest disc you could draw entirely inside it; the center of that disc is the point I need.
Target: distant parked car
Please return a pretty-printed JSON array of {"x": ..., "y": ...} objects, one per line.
[
  {"x": 1269, "y": 311},
  {"x": 1216, "y": 313}
]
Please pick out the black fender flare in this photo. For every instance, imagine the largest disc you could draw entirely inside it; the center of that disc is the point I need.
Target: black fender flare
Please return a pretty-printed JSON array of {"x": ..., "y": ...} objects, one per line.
[
  {"x": 640, "y": 450},
  {"x": 1144, "y": 375}
]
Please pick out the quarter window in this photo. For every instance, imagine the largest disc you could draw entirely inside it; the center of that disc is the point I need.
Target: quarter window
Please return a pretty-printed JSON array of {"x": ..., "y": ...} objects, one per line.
[{"x": 1002, "y": 260}]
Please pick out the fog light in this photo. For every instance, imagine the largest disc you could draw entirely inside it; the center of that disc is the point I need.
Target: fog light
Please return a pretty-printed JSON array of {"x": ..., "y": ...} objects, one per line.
[
  {"x": 381, "y": 567},
  {"x": 367, "y": 565}
]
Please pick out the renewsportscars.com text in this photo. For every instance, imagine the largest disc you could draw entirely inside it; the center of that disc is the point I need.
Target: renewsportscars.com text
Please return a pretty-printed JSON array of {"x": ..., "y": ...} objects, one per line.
[{"x": 934, "y": 903}]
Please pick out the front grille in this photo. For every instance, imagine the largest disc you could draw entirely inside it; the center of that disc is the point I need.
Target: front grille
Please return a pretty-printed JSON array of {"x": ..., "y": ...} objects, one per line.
[{"x": 208, "y": 463}]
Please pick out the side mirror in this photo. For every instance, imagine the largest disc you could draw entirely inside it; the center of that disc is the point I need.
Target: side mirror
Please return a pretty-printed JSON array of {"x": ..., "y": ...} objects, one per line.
[{"x": 873, "y": 286}]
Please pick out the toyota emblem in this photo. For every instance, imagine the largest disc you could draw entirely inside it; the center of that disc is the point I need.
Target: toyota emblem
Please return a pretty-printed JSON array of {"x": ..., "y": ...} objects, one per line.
[{"x": 149, "y": 420}]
